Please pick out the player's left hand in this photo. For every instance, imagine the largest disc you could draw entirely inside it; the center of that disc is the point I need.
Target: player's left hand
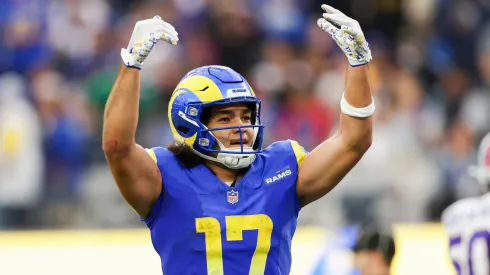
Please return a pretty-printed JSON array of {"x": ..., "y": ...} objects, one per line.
[{"x": 347, "y": 34}]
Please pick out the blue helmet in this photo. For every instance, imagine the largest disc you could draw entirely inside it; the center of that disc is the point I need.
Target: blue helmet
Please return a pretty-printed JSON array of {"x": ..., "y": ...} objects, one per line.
[{"x": 210, "y": 86}]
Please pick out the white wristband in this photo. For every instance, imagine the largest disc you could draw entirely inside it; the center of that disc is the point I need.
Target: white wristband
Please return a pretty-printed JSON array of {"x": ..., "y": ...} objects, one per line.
[{"x": 350, "y": 110}]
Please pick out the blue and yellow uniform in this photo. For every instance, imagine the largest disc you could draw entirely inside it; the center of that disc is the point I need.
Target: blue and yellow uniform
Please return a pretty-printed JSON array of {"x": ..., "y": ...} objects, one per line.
[{"x": 200, "y": 225}]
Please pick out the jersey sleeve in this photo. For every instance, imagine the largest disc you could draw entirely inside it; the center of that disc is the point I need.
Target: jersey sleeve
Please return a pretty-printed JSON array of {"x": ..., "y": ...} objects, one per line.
[
  {"x": 160, "y": 156},
  {"x": 152, "y": 154},
  {"x": 299, "y": 152},
  {"x": 287, "y": 150}
]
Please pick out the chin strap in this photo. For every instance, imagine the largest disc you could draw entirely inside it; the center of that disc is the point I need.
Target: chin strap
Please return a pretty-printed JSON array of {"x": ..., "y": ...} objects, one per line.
[{"x": 232, "y": 161}]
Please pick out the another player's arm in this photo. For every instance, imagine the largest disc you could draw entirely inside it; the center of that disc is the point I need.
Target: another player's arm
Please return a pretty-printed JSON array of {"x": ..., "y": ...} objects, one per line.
[
  {"x": 330, "y": 161},
  {"x": 135, "y": 171}
]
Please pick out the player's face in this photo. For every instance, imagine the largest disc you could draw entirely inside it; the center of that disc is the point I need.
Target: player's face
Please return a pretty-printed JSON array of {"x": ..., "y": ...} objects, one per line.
[{"x": 232, "y": 115}]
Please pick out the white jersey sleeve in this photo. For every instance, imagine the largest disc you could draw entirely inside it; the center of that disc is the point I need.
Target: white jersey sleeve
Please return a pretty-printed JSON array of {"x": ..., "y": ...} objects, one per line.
[{"x": 467, "y": 223}]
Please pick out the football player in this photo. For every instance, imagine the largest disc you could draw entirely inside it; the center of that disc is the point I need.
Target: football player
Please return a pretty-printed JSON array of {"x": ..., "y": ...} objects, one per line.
[
  {"x": 215, "y": 200},
  {"x": 467, "y": 222}
]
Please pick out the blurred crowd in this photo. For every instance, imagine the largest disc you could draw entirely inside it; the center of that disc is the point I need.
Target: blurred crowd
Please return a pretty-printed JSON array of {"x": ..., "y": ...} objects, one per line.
[{"x": 430, "y": 77}]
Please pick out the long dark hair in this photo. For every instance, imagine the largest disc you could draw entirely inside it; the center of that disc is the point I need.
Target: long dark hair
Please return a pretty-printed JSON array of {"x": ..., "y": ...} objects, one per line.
[{"x": 184, "y": 154}]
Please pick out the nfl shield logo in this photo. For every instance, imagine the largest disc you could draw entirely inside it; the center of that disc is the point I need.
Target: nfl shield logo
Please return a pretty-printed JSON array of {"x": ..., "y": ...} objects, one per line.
[{"x": 232, "y": 196}]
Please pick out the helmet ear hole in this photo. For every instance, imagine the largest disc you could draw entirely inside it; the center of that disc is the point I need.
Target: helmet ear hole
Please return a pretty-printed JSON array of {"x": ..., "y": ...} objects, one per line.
[{"x": 183, "y": 130}]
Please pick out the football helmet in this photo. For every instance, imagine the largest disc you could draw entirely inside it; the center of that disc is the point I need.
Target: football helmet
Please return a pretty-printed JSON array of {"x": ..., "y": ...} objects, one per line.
[
  {"x": 210, "y": 86},
  {"x": 481, "y": 171}
]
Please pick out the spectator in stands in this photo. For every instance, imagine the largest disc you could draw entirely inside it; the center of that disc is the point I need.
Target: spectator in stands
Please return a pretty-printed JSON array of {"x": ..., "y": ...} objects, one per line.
[{"x": 373, "y": 253}]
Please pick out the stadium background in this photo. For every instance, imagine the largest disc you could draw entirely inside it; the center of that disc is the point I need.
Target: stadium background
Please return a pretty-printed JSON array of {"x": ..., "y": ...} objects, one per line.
[{"x": 58, "y": 60}]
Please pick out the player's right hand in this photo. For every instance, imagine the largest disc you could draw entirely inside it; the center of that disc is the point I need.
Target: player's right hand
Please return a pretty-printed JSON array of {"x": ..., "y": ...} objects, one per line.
[{"x": 145, "y": 35}]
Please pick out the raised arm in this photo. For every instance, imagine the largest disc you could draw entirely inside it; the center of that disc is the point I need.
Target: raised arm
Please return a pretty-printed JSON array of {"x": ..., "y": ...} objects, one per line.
[
  {"x": 330, "y": 161},
  {"x": 133, "y": 168}
]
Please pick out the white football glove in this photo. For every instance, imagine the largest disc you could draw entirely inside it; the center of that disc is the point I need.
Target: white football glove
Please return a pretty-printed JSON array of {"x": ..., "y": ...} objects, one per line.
[
  {"x": 145, "y": 35},
  {"x": 347, "y": 34}
]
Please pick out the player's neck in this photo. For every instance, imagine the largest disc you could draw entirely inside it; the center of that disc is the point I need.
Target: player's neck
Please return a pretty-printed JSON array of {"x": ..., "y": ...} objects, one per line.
[{"x": 222, "y": 173}]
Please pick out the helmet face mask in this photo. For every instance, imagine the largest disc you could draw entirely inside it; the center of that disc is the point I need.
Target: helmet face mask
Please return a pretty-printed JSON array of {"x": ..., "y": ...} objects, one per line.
[
  {"x": 207, "y": 141},
  {"x": 222, "y": 87}
]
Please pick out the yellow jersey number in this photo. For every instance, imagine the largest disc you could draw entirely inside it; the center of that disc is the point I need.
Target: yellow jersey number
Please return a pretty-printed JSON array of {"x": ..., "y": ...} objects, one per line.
[{"x": 234, "y": 227}]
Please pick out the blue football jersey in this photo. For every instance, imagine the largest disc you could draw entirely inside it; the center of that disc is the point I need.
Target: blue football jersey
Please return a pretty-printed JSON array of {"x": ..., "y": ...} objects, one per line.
[{"x": 200, "y": 225}]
